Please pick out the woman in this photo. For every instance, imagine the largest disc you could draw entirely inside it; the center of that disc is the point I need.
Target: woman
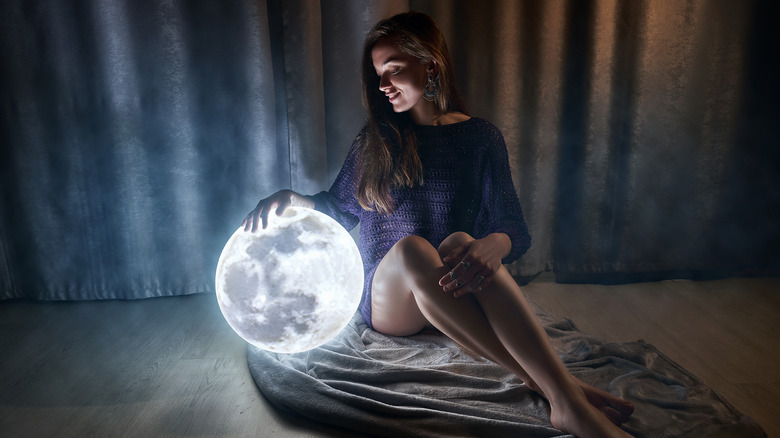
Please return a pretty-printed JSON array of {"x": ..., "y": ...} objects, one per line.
[{"x": 432, "y": 191}]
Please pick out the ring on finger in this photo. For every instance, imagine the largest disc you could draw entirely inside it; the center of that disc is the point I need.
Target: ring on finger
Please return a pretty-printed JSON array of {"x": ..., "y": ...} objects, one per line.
[
  {"x": 458, "y": 284},
  {"x": 465, "y": 264},
  {"x": 453, "y": 275},
  {"x": 480, "y": 279}
]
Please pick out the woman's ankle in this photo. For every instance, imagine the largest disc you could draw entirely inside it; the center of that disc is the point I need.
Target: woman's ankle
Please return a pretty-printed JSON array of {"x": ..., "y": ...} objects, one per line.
[{"x": 565, "y": 391}]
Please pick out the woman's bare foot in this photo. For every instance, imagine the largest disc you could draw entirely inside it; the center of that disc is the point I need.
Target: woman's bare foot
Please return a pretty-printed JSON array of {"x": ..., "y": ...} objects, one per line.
[
  {"x": 576, "y": 415},
  {"x": 616, "y": 409}
]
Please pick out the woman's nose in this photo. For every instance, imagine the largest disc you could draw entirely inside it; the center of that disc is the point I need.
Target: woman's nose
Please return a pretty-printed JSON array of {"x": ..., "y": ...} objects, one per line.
[{"x": 384, "y": 82}]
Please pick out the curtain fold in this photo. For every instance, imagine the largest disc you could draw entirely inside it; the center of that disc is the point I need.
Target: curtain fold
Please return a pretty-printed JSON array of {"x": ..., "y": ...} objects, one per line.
[{"x": 137, "y": 134}]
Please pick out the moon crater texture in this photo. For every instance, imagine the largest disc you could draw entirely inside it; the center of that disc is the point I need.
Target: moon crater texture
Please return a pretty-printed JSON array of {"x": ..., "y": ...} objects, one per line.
[{"x": 292, "y": 286}]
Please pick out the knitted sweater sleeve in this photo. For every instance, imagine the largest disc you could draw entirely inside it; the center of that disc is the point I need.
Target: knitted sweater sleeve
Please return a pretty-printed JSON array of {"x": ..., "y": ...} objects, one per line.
[
  {"x": 339, "y": 202},
  {"x": 500, "y": 210}
]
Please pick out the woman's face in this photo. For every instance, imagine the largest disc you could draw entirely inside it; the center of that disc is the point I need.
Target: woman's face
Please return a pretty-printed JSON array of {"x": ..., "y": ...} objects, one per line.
[{"x": 402, "y": 77}]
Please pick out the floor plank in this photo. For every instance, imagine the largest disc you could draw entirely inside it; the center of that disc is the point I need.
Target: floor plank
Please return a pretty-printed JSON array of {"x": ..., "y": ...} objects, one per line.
[{"x": 173, "y": 367}]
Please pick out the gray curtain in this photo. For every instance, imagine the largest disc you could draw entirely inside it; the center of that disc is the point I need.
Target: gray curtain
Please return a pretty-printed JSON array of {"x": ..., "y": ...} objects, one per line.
[{"x": 135, "y": 135}]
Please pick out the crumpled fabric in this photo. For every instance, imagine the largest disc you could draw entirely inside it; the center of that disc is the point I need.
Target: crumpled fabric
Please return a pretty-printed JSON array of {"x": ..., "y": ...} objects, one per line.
[{"x": 427, "y": 386}]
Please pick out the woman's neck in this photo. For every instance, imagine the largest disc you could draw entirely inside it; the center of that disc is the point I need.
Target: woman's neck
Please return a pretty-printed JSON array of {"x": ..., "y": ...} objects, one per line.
[
  {"x": 425, "y": 113},
  {"x": 428, "y": 114}
]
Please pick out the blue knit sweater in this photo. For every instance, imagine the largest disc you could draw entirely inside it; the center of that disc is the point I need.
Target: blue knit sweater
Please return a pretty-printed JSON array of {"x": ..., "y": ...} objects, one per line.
[{"x": 467, "y": 186}]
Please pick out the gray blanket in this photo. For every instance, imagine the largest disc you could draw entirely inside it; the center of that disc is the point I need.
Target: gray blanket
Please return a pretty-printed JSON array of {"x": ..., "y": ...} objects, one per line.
[{"x": 426, "y": 385}]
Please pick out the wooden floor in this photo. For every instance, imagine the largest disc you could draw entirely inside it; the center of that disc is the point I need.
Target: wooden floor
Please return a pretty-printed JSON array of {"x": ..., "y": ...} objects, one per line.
[{"x": 168, "y": 367}]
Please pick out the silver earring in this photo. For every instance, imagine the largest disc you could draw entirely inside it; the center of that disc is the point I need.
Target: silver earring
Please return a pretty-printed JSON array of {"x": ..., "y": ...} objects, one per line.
[{"x": 431, "y": 91}]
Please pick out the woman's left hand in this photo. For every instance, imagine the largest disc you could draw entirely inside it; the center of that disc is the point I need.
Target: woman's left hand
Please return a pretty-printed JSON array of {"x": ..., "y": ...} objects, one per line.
[{"x": 474, "y": 264}]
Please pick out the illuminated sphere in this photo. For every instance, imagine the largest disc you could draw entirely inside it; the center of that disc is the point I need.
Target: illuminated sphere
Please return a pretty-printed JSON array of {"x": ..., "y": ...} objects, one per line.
[{"x": 293, "y": 286}]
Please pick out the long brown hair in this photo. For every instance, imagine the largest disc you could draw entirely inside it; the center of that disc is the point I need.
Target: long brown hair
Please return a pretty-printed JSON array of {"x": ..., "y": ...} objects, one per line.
[{"x": 388, "y": 156}]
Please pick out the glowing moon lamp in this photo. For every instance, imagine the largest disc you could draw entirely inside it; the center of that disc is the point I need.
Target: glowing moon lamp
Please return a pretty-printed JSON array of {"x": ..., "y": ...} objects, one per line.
[{"x": 293, "y": 286}]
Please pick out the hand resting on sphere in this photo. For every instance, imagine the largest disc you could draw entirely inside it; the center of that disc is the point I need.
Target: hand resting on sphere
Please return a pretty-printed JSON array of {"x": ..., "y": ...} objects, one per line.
[{"x": 277, "y": 202}]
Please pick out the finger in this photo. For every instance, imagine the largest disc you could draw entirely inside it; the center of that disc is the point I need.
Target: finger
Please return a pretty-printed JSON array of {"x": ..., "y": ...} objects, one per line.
[
  {"x": 282, "y": 206},
  {"x": 476, "y": 284},
  {"x": 454, "y": 287},
  {"x": 462, "y": 273},
  {"x": 466, "y": 288},
  {"x": 469, "y": 269},
  {"x": 449, "y": 279},
  {"x": 256, "y": 217},
  {"x": 486, "y": 282},
  {"x": 455, "y": 255},
  {"x": 266, "y": 212},
  {"x": 464, "y": 278},
  {"x": 461, "y": 286},
  {"x": 248, "y": 221}
]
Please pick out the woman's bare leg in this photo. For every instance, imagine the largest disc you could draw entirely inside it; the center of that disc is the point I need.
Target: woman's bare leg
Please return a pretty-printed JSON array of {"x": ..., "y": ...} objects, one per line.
[
  {"x": 497, "y": 323},
  {"x": 616, "y": 409}
]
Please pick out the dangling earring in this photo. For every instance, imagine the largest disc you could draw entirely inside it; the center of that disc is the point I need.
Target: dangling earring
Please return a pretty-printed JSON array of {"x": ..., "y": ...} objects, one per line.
[{"x": 431, "y": 91}]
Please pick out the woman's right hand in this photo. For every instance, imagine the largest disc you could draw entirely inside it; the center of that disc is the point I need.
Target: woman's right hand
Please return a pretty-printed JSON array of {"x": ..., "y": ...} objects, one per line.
[{"x": 277, "y": 202}]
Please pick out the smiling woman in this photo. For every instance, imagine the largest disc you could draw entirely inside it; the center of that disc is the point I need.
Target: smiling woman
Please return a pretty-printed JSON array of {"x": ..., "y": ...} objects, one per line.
[
  {"x": 403, "y": 79},
  {"x": 432, "y": 190},
  {"x": 639, "y": 136}
]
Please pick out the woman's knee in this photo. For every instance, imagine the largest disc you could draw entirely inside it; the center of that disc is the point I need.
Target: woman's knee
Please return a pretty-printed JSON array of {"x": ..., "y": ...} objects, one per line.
[
  {"x": 453, "y": 241},
  {"x": 414, "y": 250}
]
